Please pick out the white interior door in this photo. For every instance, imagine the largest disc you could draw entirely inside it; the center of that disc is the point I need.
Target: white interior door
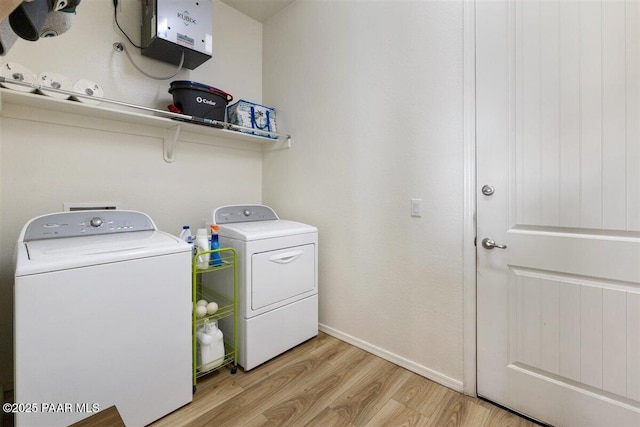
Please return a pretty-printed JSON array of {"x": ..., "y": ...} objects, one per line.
[{"x": 558, "y": 138}]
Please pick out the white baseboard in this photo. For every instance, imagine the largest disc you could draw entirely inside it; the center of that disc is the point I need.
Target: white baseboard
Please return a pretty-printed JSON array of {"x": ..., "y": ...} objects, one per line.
[{"x": 394, "y": 358}]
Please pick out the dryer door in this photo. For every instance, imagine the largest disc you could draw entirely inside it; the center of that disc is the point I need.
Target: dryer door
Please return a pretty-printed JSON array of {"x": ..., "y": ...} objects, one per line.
[{"x": 281, "y": 275}]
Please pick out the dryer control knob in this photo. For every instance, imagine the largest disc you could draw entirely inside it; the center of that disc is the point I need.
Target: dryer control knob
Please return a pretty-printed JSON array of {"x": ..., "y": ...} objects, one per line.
[
  {"x": 96, "y": 221},
  {"x": 246, "y": 212}
]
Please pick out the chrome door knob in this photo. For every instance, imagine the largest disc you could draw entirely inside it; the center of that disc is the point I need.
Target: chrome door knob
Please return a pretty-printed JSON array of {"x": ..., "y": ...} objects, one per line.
[{"x": 488, "y": 243}]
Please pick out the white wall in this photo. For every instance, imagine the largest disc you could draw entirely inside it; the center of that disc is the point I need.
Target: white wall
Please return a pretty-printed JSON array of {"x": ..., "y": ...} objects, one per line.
[
  {"x": 42, "y": 166},
  {"x": 371, "y": 92}
]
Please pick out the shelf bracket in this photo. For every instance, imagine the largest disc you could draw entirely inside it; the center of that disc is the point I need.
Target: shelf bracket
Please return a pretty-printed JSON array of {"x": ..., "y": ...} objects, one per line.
[
  {"x": 170, "y": 141},
  {"x": 281, "y": 144}
]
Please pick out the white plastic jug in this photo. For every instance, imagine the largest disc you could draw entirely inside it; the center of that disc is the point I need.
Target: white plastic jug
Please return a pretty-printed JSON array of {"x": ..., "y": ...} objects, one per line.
[
  {"x": 202, "y": 244},
  {"x": 211, "y": 343}
]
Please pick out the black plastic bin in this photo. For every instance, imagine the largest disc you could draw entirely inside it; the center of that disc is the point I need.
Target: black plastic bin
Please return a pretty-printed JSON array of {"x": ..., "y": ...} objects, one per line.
[{"x": 199, "y": 100}]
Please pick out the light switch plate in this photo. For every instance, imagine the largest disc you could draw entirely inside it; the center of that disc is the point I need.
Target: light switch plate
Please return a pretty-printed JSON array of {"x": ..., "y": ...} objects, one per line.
[{"x": 416, "y": 207}]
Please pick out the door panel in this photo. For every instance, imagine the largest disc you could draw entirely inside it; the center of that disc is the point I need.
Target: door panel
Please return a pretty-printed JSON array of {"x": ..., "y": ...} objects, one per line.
[
  {"x": 558, "y": 136},
  {"x": 571, "y": 327},
  {"x": 575, "y": 107}
]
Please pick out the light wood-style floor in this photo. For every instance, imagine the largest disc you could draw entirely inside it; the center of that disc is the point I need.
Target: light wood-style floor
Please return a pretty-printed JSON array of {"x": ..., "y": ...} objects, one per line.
[{"x": 327, "y": 382}]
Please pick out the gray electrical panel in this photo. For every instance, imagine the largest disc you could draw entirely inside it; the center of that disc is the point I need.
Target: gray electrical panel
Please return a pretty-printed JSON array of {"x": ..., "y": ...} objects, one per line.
[{"x": 171, "y": 27}]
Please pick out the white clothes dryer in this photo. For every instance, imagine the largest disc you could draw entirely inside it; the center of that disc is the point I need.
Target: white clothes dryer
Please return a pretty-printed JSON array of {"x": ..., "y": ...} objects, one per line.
[
  {"x": 277, "y": 280},
  {"x": 102, "y": 317}
]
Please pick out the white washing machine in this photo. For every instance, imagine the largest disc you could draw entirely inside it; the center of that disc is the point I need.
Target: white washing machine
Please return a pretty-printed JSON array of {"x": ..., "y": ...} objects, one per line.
[
  {"x": 102, "y": 318},
  {"x": 277, "y": 280}
]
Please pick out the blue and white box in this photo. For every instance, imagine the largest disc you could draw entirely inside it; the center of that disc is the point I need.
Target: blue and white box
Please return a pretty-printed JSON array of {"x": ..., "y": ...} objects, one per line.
[{"x": 254, "y": 116}]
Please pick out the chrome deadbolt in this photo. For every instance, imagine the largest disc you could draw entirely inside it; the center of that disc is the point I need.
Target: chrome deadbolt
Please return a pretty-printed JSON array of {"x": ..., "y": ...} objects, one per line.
[
  {"x": 488, "y": 190},
  {"x": 488, "y": 243}
]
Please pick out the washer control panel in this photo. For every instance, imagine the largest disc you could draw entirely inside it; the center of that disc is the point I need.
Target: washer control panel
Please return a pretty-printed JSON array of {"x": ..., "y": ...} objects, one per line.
[
  {"x": 86, "y": 223},
  {"x": 243, "y": 213}
]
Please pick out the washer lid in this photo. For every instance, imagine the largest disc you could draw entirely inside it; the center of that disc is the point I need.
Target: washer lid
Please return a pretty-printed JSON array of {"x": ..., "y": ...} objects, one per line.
[
  {"x": 48, "y": 255},
  {"x": 141, "y": 241},
  {"x": 258, "y": 230}
]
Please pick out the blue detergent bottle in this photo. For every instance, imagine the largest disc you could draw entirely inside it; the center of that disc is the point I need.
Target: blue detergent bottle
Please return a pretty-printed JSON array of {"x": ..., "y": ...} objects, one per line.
[{"x": 215, "y": 244}]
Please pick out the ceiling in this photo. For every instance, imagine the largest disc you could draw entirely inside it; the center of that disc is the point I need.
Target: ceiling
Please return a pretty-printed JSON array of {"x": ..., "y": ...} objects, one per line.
[{"x": 260, "y": 10}]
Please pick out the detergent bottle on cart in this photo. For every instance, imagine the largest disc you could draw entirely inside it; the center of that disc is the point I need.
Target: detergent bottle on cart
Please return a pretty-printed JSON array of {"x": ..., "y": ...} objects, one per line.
[
  {"x": 211, "y": 343},
  {"x": 202, "y": 244},
  {"x": 215, "y": 244}
]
